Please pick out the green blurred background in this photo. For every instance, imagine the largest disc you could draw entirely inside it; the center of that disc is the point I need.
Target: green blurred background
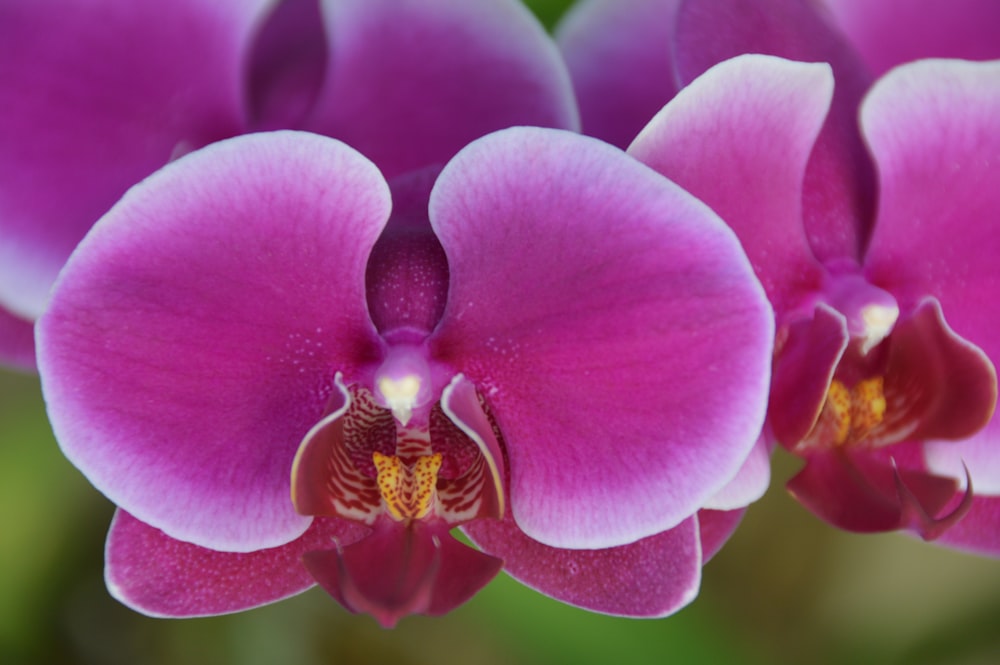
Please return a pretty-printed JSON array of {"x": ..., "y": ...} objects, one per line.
[{"x": 786, "y": 589}]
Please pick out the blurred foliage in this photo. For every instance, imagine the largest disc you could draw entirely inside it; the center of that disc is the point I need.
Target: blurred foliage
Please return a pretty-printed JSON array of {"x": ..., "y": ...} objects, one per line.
[{"x": 785, "y": 590}]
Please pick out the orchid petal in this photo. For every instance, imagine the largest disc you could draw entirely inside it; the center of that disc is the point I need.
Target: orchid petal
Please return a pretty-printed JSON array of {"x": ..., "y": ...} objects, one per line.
[
  {"x": 891, "y": 32},
  {"x": 409, "y": 82},
  {"x": 839, "y": 187},
  {"x": 977, "y": 532},
  {"x": 193, "y": 337},
  {"x": 874, "y": 490},
  {"x": 739, "y": 138},
  {"x": 750, "y": 482},
  {"x": 96, "y": 95},
  {"x": 806, "y": 358},
  {"x": 626, "y": 334},
  {"x": 288, "y": 61},
  {"x": 400, "y": 570},
  {"x": 17, "y": 342},
  {"x": 653, "y": 577},
  {"x": 619, "y": 56},
  {"x": 934, "y": 128},
  {"x": 163, "y": 577},
  {"x": 714, "y": 528}
]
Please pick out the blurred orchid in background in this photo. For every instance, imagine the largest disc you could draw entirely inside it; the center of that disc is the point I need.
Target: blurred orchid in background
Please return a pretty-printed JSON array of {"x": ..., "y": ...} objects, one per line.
[
  {"x": 275, "y": 351},
  {"x": 98, "y": 94},
  {"x": 866, "y": 246}
]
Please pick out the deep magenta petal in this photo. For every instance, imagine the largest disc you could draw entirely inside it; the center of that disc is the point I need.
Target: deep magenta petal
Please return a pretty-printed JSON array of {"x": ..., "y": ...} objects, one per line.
[
  {"x": 400, "y": 570},
  {"x": 613, "y": 326},
  {"x": 891, "y": 32},
  {"x": 839, "y": 188},
  {"x": 708, "y": 140},
  {"x": 287, "y": 65},
  {"x": 868, "y": 491},
  {"x": 193, "y": 337},
  {"x": 714, "y": 528},
  {"x": 160, "y": 576},
  {"x": 653, "y": 577},
  {"x": 96, "y": 95},
  {"x": 620, "y": 58},
  {"x": 805, "y": 358},
  {"x": 17, "y": 342},
  {"x": 410, "y": 82}
]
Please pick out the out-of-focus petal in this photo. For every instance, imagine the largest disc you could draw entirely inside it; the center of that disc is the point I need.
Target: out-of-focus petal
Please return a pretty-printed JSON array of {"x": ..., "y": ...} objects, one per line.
[
  {"x": 869, "y": 491},
  {"x": 96, "y": 95},
  {"x": 714, "y": 528},
  {"x": 891, "y": 32},
  {"x": 401, "y": 570},
  {"x": 838, "y": 193},
  {"x": 193, "y": 337},
  {"x": 613, "y": 325},
  {"x": 17, "y": 342},
  {"x": 977, "y": 532},
  {"x": 157, "y": 575},
  {"x": 750, "y": 482},
  {"x": 739, "y": 138},
  {"x": 806, "y": 357},
  {"x": 652, "y": 577},
  {"x": 288, "y": 61},
  {"x": 620, "y": 58},
  {"x": 409, "y": 82},
  {"x": 934, "y": 128}
]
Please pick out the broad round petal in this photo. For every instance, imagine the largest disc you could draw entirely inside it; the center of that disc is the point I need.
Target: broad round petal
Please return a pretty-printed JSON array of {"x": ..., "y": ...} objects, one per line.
[
  {"x": 162, "y": 577},
  {"x": 739, "y": 138},
  {"x": 620, "y": 58},
  {"x": 934, "y": 128},
  {"x": 750, "y": 482},
  {"x": 838, "y": 192},
  {"x": 653, "y": 577},
  {"x": 891, "y": 32},
  {"x": 194, "y": 335},
  {"x": 613, "y": 325},
  {"x": 17, "y": 342},
  {"x": 409, "y": 82},
  {"x": 96, "y": 95}
]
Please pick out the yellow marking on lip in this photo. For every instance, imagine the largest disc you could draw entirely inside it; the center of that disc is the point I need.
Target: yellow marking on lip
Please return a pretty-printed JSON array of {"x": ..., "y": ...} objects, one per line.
[{"x": 407, "y": 491}]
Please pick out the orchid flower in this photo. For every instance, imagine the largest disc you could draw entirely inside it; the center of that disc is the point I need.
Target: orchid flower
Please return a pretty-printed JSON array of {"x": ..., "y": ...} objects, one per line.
[
  {"x": 98, "y": 94},
  {"x": 864, "y": 245},
  {"x": 265, "y": 352}
]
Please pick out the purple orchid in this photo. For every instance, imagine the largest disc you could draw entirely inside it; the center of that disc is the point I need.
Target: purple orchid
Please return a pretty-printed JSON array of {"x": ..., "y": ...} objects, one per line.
[
  {"x": 98, "y": 94},
  {"x": 864, "y": 246},
  {"x": 562, "y": 352}
]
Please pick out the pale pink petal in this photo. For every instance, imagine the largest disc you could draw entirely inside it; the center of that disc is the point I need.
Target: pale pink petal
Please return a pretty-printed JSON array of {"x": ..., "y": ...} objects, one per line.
[
  {"x": 739, "y": 138},
  {"x": 620, "y": 58},
  {"x": 193, "y": 337},
  {"x": 750, "y": 482},
  {"x": 409, "y": 82},
  {"x": 157, "y": 575},
  {"x": 839, "y": 189},
  {"x": 891, "y": 32},
  {"x": 653, "y": 577},
  {"x": 613, "y": 326},
  {"x": 96, "y": 95}
]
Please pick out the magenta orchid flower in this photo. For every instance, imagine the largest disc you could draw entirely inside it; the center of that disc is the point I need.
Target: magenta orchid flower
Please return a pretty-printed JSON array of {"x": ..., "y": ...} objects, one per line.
[
  {"x": 864, "y": 245},
  {"x": 284, "y": 372},
  {"x": 98, "y": 94}
]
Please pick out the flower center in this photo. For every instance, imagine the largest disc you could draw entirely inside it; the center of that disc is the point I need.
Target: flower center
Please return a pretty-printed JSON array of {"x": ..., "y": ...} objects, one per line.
[
  {"x": 408, "y": 490},
  {"x": 851, "y": 414}
]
